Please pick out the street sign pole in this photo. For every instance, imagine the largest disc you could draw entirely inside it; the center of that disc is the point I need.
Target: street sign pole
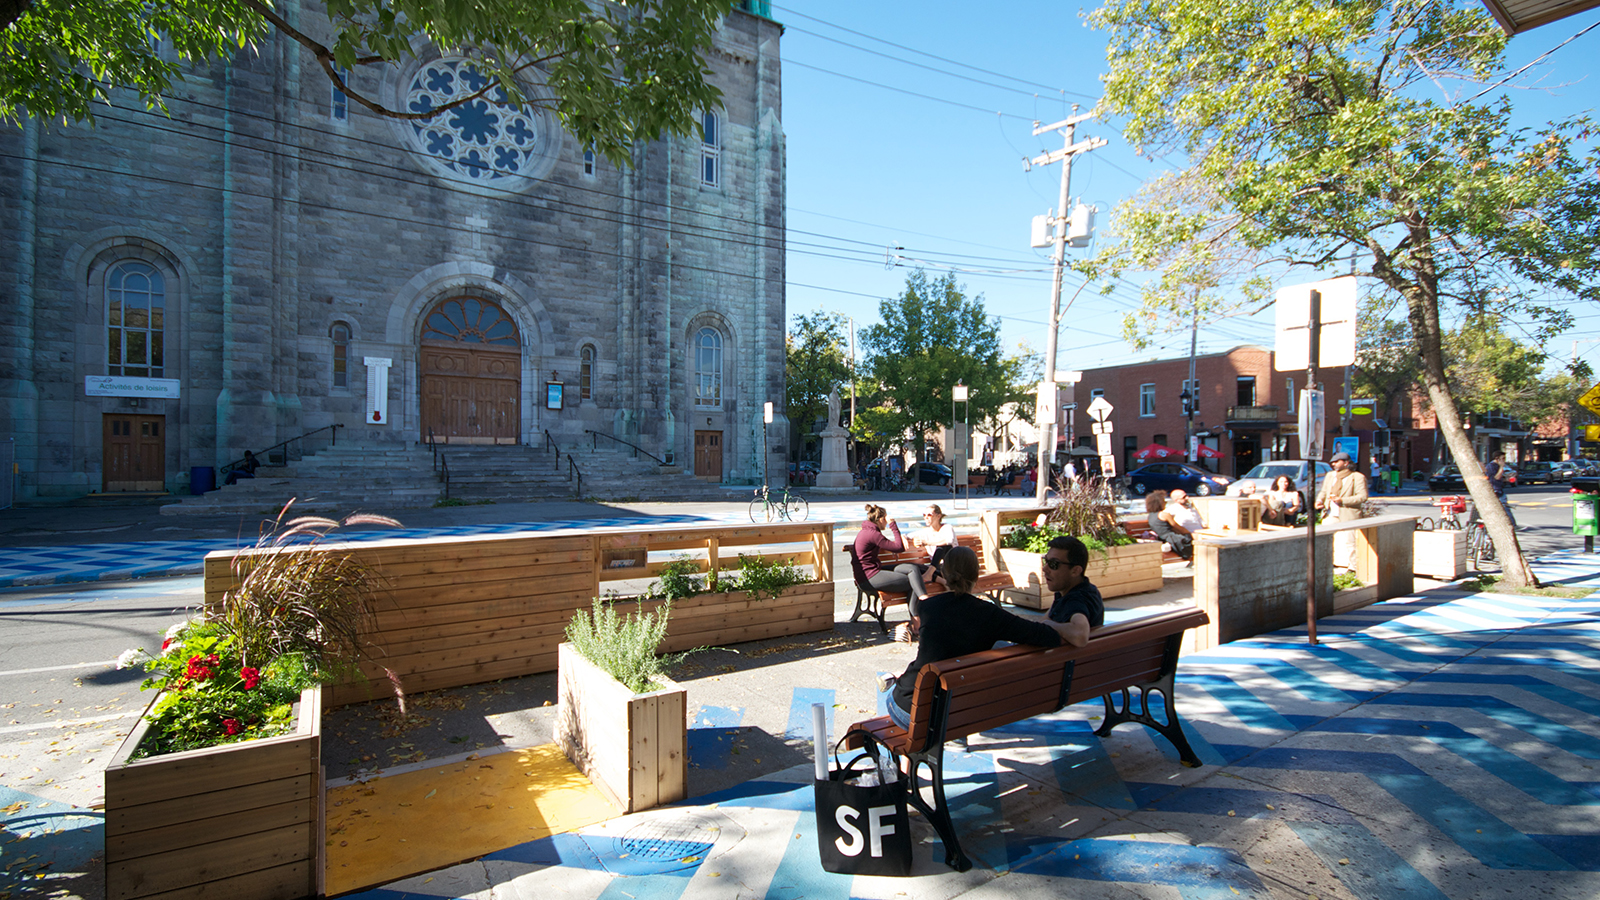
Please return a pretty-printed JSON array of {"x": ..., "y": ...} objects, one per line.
[{"x": 1314, "y": 326}]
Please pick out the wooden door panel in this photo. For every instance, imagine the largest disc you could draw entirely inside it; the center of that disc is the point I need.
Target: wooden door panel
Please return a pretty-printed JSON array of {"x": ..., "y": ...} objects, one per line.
[
  {"x": 133, "y": 453},
  {"x": 470, "y": 394},
  {"x": 708, "y": 454}
]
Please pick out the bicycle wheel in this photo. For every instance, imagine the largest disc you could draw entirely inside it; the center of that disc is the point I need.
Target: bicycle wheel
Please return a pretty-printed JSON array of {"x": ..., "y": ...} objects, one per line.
[
  {"x": 760, "y": 510},
  {"x": 796, "y": 508},
  {"x": 1424, "y": 524},
  {"x": 1485, "y": 545}
]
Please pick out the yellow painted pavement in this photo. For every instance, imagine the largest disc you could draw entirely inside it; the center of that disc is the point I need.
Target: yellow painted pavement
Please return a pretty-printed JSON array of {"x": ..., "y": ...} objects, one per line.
[{"x": 402, "y": 825}]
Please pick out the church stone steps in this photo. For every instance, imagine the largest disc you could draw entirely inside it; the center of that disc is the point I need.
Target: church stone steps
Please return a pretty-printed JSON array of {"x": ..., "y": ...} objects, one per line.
[{"x": 347, "y": 477}]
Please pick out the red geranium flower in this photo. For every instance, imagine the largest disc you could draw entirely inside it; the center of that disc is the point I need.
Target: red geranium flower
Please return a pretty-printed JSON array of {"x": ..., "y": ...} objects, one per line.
[
  {"x": 251, "y": 677},
  {"x": 231, "y": 726}
]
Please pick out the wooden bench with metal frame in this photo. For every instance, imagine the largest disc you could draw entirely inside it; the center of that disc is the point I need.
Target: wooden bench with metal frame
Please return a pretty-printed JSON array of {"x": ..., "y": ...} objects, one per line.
[{"x": 958, "y": 697}]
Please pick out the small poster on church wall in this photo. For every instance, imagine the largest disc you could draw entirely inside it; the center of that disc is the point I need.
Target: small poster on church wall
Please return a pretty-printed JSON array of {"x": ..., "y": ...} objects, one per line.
[{"x": 553, "y": 391}]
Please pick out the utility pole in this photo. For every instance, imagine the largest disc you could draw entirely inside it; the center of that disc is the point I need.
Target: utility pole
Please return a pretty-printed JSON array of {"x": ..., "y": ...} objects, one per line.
[
  {"x": 1066, "y": 127},
  {"x": 1191, "y": 393}
]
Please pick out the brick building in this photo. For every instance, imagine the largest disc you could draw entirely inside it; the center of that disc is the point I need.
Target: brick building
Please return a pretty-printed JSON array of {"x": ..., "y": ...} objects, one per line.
[
  {"x": 272, "y": 259},
  {"x": 1245, "y": 410}
]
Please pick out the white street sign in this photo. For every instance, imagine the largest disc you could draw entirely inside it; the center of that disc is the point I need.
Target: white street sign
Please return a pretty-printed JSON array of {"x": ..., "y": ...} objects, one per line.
[
  {"x": 1338, "y": 344},
  {"x": 1100, "y": 409}
]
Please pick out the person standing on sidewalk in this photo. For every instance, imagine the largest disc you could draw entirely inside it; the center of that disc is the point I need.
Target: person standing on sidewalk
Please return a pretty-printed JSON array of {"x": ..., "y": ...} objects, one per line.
[{"x": 1344, "y": 492}]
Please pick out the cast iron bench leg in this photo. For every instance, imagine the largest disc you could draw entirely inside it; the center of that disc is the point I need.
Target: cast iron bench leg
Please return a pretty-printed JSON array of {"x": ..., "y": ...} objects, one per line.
[
  {"x": 1172, "y": 728},
  {"x": 939, "y": 813}
]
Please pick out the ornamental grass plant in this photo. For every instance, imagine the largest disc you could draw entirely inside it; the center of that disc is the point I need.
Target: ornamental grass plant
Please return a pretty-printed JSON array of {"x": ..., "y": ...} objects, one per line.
[
  {"x": 294, "y": 619},
  {"x": 1084, "y": 511}
]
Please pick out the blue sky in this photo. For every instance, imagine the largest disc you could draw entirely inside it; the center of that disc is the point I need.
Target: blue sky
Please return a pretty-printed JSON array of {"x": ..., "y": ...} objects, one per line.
[{"x": 874, "y": 166}]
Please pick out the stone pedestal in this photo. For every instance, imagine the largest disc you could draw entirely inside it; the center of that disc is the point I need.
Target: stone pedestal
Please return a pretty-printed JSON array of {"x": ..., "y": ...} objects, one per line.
[{"x": 835, "y": 477}]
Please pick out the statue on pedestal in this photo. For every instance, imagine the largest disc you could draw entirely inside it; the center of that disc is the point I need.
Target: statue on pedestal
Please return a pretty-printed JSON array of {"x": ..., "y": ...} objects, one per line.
[{"x": 835, "y": 475}]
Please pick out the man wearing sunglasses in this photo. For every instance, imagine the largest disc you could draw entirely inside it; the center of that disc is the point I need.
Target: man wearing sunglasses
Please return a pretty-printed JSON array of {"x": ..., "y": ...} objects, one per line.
[{"x": 1078, "y": 603}]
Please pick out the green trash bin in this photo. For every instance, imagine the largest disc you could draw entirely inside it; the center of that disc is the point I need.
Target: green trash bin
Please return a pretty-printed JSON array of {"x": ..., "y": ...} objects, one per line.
[{"x": 1586, "y": 514}]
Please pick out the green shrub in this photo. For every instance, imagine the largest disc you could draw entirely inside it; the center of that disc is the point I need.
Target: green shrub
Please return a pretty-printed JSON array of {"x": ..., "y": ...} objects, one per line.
[
  {"x": 1344, "y": 581},
  {"x": 764, "y": 579},
  {"x": 624, "y": 647},
  {"x": 679, "y": 579}
]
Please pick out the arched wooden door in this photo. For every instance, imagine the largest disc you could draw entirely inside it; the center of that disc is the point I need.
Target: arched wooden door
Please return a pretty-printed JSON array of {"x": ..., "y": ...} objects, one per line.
[{"x": 470, "y": 365}]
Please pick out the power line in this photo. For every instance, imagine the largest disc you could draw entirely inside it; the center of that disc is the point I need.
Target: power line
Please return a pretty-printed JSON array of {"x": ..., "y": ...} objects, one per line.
[
  {"x": 792, "y": 12},
  {"x": 992, "y": 112}
]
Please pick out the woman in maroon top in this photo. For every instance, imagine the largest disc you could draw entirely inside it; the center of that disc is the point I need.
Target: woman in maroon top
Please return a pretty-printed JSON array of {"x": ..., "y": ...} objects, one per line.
[{"x": 879, "y": 533}]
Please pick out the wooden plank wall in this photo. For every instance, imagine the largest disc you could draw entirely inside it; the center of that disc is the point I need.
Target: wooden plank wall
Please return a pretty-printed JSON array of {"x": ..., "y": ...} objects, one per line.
[
  {"x": 237, "y": 821},
  {"x": 465, "y": 610}
]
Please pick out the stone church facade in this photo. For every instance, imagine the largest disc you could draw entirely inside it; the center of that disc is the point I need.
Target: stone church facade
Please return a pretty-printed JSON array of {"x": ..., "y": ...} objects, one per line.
[{"x": 272, "y": 259}]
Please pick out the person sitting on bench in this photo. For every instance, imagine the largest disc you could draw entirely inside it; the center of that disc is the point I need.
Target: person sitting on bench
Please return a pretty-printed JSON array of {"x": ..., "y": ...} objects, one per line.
[
  {"x": 879, "y": 533},
  {"x": 956, "y": 623},
  {"x": 1078, "y": 604},
  {"x": 1170, "y": 521},
  {"x": 936, "y": 538}
]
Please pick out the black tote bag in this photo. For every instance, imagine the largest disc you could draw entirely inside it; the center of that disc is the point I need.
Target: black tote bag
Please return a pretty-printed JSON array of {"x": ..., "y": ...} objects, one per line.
[{"x": 863, "y": 829}]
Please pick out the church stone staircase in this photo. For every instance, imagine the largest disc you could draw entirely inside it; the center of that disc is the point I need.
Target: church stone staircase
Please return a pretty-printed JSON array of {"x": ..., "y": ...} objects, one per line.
[{"x": 351, "y": 476}]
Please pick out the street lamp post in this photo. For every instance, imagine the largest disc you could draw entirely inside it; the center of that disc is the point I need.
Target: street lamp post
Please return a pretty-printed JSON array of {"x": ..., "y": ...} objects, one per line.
[
  {"x": 766, "y": 420},
  {"x": 958, "y": 473}
]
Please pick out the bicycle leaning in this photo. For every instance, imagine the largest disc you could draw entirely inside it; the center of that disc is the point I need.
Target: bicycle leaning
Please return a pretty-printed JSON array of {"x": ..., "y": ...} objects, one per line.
[{"x": 772, "y": 505}]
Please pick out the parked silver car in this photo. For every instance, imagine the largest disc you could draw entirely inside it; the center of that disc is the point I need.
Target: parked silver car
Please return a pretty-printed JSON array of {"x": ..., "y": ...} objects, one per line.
[{"x": 1263, "y": 475}]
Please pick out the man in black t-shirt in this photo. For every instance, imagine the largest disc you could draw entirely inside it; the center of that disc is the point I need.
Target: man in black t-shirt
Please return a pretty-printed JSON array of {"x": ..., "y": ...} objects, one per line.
[{"x": 1078, "y": 602}]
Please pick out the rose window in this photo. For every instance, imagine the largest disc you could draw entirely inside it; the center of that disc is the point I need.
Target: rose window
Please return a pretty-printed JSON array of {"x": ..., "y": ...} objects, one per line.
[{"x": 482, "y": 140}]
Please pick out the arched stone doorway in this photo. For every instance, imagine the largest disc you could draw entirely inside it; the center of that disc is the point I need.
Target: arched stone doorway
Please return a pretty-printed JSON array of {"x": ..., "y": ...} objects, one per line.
[{"x": 470, "y": 365}]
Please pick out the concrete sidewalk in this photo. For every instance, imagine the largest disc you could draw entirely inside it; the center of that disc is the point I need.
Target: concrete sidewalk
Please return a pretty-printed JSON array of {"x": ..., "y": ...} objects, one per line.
[{"x": 1441, "y": 745}]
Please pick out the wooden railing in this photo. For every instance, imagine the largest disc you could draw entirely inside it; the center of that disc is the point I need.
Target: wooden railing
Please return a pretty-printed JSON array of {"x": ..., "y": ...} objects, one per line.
[{"x": 465, "y": 610}]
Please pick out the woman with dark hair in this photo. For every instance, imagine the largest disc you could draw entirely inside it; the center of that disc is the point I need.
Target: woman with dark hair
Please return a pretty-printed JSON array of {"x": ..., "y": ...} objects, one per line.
[
  {"x": 955, "y": 623},
  {"x": 1282, "y": 503},
  {"x": 1166, "y": 527},
  {"x": 879, "y": 533}
]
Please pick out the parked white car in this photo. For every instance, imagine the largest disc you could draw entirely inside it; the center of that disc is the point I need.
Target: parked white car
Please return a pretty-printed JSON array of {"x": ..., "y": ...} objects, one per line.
[
  {"x": 1263, "y": 475},
  {"x": 1566, "y": 469}
]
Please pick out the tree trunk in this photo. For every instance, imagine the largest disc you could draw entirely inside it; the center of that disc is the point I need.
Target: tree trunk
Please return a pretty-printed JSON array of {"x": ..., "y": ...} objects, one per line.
[{"x": 1422, "y": 306}]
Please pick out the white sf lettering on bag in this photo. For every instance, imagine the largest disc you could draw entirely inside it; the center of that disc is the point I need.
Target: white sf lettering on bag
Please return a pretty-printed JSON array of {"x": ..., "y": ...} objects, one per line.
[{"x": 875, "y": 827}]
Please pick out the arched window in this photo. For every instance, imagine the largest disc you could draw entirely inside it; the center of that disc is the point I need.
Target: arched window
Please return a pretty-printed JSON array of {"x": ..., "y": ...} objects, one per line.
[
  {"x": 470, "y": 320},
  {"x": 710, "y": 149},
  {"x": 586, "y": 372},
  {"x": 708, "y": 368},
  {"x": 588, "y": 163},
  {"x": 340, "y": 332},
  {"x": 136, "y": 299}
]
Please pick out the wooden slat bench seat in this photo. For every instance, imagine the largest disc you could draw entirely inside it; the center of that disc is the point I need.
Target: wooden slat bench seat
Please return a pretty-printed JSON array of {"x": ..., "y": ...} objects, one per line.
[
  {"x": 955, "y": 698},
  {"x": 1136, "y": 529}
]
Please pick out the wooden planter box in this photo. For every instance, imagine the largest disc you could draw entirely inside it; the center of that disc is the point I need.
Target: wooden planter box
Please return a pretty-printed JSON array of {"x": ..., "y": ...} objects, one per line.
[
  {"x": 713, "y": 619},
  {"x": 1441, "y": 555},
  {"x": 1128, "y": 569},
  {"x": 632, "y": 746},
  {"x": 239, "y": 821}
]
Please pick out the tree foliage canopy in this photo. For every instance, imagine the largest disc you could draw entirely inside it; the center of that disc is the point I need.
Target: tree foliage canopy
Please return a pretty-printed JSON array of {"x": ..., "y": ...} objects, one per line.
[
  {"x": 615, "y": 73},
  {"x": 1317, "y": 126},
  {"x": 814, "y": 365},
  {"x": 930, "y": 338}
]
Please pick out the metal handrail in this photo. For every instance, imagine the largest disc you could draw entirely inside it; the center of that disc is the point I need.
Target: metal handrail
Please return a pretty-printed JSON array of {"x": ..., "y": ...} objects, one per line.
[
  {"x": 550, "y": 444},
  {"x": 333, "y": 438},
  {"x": 636, "y": 448},
  {"x": 573, "y": 470},
  {"x": 441, "y": 465}
]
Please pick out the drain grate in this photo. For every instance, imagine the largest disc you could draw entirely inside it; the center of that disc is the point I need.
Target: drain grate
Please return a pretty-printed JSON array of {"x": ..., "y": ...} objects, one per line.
[{"x": 664, "y": 838}]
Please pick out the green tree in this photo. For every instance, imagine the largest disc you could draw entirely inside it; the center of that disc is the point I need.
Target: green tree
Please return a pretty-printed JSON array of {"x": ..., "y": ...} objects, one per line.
[
  {"x": 1387, "y": 368},
  {"x": 1315, "y": 124},
  {"x": 1490, "y": 371},
  {"x": 615, "y": 73},
  {"x": 814, "y": 364},
  {"x": 930, "y": 338}
]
